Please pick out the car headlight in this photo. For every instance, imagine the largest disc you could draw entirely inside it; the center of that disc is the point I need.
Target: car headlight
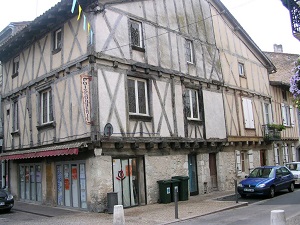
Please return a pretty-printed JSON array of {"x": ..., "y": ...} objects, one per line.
[
  {"x": 10, "y": 197},
  {"x": 240, "y": 185},
  {"x": 261, "y": 185}
]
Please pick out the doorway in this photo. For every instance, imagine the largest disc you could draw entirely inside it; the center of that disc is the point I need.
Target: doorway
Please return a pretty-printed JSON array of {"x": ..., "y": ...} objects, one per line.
[
  {"x": 213, "y": 170},
  {"x": 193, "y": 176},
  {"x": 129, "y": 181}
]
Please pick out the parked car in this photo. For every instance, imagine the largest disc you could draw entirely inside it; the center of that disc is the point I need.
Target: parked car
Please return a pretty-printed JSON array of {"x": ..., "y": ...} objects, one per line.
[
  {"x": 267, "y": 180},
  {"x": 294, "y": 167},
  {"x": 6, "y": 201}
]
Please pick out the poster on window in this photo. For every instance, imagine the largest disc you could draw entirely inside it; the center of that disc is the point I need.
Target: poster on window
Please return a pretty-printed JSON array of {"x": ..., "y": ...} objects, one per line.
[
  {"x": 74, "y": 173},
  {"x": 85, "y": 89}
]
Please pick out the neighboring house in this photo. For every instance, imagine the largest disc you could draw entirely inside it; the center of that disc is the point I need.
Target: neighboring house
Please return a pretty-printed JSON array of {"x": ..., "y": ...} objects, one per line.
[
  {"x": 285, "y": 145},
  {"x": 5, "y": 34},
  {"x": 137, "y": 100},
  {"x": 251, "y": 102}
]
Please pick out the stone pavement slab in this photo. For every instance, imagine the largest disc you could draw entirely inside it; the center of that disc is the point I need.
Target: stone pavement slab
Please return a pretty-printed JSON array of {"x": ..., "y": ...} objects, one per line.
[{"x": 149, "y": 214}]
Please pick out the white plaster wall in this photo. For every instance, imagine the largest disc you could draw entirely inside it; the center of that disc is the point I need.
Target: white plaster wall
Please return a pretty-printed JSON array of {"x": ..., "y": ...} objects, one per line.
[{"x": 214, "y": 115}]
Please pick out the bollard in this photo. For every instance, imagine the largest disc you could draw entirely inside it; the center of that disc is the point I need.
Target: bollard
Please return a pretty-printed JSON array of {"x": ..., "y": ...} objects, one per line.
[
  {"x": 236, "y": 192},
  {"x": 176, "y": 201},
  {"x": 118, "y": 215},
  {"x": 278, "y": 217}
]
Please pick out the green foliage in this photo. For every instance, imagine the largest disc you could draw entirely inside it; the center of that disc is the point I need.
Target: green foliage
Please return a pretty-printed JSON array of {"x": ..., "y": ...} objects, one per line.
[{"x": 278, "y": 127}]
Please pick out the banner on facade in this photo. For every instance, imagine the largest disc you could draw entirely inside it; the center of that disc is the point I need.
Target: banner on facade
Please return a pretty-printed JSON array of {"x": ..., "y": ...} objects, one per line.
[{"x": 85, "y": 88}]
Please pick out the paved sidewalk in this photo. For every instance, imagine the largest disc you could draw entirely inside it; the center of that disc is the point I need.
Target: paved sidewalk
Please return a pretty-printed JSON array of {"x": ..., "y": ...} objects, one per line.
[{"x": 148, "y": 214}]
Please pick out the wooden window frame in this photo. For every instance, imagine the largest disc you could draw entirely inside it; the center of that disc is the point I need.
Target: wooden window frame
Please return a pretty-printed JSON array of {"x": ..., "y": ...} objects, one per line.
[
  {"x": 16, "y": 65},
  {"x": 189, "y": 103},
  {"x": 49, "y": 107},
  {"x": 241, "y": 69},
  {"x": 189, "y": 48},
  {"x": 139, "y": 43},
  {"x": 137, "y": 112},
  {"x": 57, "y": 40}
]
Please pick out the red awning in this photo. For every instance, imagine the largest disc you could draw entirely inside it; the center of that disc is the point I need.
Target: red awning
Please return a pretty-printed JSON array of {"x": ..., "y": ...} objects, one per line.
[{"x": 26, "y": 155}]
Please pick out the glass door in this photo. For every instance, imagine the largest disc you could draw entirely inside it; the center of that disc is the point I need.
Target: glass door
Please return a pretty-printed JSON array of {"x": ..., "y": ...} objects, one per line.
[{"x": 126, "y": 181}]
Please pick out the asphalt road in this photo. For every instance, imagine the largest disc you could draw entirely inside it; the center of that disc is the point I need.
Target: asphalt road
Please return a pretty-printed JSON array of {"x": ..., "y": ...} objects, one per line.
[{"x": 258, "y": 212}]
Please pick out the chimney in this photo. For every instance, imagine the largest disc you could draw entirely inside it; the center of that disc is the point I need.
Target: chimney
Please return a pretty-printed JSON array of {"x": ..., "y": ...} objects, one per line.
[{"x": 277, "y": 48}]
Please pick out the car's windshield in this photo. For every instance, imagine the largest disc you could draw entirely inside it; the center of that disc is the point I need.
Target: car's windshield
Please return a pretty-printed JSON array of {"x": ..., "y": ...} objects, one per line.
[
  {"x": 293, "y": 166},
  {"x": 261, "y": 172}
]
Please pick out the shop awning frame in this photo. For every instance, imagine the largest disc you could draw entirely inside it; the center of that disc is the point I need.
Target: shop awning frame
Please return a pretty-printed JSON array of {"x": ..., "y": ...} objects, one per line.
[{"x": 69, "y": 149}]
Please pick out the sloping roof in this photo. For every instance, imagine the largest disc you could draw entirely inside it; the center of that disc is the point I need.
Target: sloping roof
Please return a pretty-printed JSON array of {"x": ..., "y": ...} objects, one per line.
[
  {"x": 36, "y": 29},
  {"x": 285, "y": 63},
  {"x": 240, "y": 30}
]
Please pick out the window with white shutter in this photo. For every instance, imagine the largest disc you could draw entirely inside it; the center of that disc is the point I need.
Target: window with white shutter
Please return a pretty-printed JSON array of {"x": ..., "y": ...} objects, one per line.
[
  {"x": 293, "y": 152},
  {"x": 250, "y": 157},
  {"x": 292, "y": 116},
  {"x": 238, "y": 162},
  {"x": 276, "y": 154},
  {"x": 286, "y": 153},
  {"x": 248, "y": 113}
]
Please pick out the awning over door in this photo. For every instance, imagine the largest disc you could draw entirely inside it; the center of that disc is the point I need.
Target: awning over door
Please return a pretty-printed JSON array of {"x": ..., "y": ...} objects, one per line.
[{"x": 70, "y": 149}]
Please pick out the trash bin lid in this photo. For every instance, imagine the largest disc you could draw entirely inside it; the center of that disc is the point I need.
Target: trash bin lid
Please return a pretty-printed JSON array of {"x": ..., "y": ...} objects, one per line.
[
  {"x": 181, "y": 177},
  {"x": 164, "y": 181}
]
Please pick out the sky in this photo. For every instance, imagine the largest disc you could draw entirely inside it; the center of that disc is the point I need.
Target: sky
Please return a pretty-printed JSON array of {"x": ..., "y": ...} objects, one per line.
[{"x": 266, "y": 21}]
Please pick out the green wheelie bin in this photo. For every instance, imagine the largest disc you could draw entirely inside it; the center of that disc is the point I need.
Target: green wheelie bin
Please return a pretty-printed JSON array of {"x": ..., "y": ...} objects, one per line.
[
  {"x": 183, "y": 189},
  {"x": 174, "y": 183},
  {"x": 164, "y": 191}
]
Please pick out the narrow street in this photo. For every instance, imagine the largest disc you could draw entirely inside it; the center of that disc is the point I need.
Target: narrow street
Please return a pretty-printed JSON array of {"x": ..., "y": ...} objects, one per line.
[{"x": 257, "y": 213}]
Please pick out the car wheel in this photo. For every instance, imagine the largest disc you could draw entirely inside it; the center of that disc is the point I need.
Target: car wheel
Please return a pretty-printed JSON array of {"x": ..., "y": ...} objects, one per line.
[
  {"x": 7, "y": 210},
  {"x": 272, "y": 192},
  {"x": 292, "y": 187}
]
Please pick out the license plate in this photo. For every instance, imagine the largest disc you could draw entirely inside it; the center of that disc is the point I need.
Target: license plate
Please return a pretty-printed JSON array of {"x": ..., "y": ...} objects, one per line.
[
  {"x": 248, "y": 190},
  {"x": 2, "y": 203}
]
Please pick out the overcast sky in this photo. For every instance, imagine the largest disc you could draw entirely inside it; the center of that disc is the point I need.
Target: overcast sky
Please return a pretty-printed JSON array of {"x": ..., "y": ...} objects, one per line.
[{"x": 266, "y": 21}]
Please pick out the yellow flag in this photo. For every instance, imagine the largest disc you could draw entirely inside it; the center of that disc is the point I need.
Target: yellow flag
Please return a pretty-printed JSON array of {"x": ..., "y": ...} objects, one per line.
[
  {"x": 79, "y": 12},
  {"x": 89, "y": 27}
]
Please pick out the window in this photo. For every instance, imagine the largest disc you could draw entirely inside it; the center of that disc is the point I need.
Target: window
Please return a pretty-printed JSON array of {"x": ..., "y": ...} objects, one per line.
[
  {"x": 46, "y": 107},
  {"x": 286, "y": 157},
  {"x": 57, "y": 39},
  {"x": 189, "y": 51},
  {"x": 248, "y": 113},
  {"x": 284, "y": 95},
  {"x": 192, "y": 104},
  {"x": 267, "y": 113},
  {"x": 244, "y": 161},
  {"x": 287, "y": 115},
  {"x": 15, "y": 116},
  {"x": 241, "y": 69},
  {"x": 276, "y": 154},
  {"x": 16, "y": 65},
  {"x": 136, "y": 34},
  {"x": 138, "y": 96}
]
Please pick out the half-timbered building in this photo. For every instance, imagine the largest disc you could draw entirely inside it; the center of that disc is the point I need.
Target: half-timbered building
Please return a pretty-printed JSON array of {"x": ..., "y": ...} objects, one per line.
[
  {"x": 250, "y": 102},
  {"x": 112, "y": 97},
  {"x": 286, "y": 140}
]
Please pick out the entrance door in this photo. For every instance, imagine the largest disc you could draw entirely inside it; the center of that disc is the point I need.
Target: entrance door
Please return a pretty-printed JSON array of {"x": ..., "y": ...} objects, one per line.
[
  {"x": 193, "y": 177},
  {"x": 128, "y": 181},
  {"x": 213, "y": 170},
  {"x": 263, "y": 158}
]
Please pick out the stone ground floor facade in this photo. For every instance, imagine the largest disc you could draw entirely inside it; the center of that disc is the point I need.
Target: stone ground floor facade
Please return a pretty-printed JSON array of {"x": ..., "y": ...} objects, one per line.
[{"x": 84, "y": 180}]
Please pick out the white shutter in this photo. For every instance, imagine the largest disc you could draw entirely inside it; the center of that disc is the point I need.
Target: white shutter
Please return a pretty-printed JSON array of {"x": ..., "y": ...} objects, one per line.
[
  {"x": 276, "y": 154},
  {"x": 245, "y": 111},
  {"x": 250, "y": 112},
  {"x": 283, "y": 112},
  {"x": 250, "y": 157},
  {"x": 294, "y": 153},
  {"x": 286, "y": 153},
  {"x": 238, "y": 162},
  {"x": 292, "y": 116}
]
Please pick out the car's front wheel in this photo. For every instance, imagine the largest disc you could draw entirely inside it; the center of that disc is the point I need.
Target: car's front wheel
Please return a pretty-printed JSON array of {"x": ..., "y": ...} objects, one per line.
[
  {"x": 292, "y": 187},
  {"x": 272, "y": 192}
]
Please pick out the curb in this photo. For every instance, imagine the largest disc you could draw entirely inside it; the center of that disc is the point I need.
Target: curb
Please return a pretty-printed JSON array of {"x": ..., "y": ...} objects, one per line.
[{"x": 219, "y": 210}]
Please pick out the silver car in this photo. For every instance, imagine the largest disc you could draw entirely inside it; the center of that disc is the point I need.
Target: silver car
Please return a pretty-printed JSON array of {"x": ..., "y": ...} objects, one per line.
[{"x": 295, "y": 169}]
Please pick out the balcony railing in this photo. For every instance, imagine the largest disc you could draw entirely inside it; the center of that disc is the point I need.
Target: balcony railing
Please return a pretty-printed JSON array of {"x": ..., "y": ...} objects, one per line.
[
  {"x": 294, "y": 9},
  {"x": 271, "y": 133}
]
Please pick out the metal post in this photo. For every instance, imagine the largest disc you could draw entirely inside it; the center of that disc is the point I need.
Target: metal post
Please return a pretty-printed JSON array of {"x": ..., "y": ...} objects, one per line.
[
  {"x": 176, "y": 201},
  {"x": 236, "y": 192}
]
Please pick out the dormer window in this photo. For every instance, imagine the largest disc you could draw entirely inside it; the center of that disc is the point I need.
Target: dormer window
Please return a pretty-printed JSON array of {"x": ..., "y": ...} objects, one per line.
[
  {"x": 57, "y": 39},
  {"x": 16, "y": 66}
]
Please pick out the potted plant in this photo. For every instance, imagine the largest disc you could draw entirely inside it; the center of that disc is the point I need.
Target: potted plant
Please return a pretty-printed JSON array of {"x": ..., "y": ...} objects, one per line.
[{"x": 278, "y": 127}]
